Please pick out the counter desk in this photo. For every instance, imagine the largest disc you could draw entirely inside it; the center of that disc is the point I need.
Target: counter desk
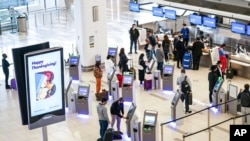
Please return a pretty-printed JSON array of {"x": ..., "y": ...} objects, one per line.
[{"x": 241, "y": 65}]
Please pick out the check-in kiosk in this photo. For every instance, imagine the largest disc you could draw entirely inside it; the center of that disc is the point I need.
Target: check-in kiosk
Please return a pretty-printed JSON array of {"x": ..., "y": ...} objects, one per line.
[
  {"x": 233, "y": 105},
  {"x": 66, "y": 92},
  {"x": 72, "y": 95},
  {"x": 151, "y": 66},
  {"x": 128, "y": 87},
  {"x": 219, "y": 94},
  {"x": 167, "y": 79},
  {"x": 157, "y": 79},
  {"x": 98, "y": 58},
  {"x": 150, "y": 129},
  {"x": 74, "y": 67},
  {"x": 114, "y": 86},
  {"x": 177, "y": 108},
  {"x": 112, "y": 51},
  {"x": 83, "y": 100},
  {"x": 133, "y": 127}
]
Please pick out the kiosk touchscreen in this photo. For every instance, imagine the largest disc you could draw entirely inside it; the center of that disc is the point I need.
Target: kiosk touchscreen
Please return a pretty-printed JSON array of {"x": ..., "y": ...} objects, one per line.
[
  {"x": 149, "y": 132},
  {"x": 177, "y": 108},
  {"x": 151, "y": 65},
  {"x": 167, "y": 83},
  {"x": 74, "y": 67},
  {"x": 129, "y": 121},
  {"x": 216, "y": 90},
  {"x": 176, "y": 98},
  {"x": 127, "y": 80},
  {"x": 113, "y": 52},
  {"x": 82, "y": 100},
  {"x": 128, "y": 87}
]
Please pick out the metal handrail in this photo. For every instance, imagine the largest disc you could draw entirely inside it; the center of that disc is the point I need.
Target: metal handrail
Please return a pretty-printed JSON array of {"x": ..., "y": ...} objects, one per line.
[
  {"x": 232, "y": 118},
  {"x": 47, "y": 10}
]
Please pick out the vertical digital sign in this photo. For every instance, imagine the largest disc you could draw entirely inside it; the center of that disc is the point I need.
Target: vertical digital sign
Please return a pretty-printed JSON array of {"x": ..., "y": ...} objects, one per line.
[
  {"x": 45, "y": 87},
  {"x": 195, "y": 19},
  {"x": 157, "y": 12},
  {"x": 170, "y": 14},
  {"x": 134, "y": 7},
  {"x": 238, "y": 28},
  {"x": 209, "y": 22}
]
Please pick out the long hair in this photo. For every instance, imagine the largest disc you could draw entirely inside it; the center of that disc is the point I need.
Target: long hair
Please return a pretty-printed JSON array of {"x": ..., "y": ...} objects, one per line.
[
  {"x": 141, "y": 56},
  {"x": 166, "y": 39},
  {"x": 121, "y": 51}
]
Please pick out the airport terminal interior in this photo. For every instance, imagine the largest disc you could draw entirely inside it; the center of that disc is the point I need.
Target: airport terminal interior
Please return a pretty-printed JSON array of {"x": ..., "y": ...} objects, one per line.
[{"x": 77, "y": 127}]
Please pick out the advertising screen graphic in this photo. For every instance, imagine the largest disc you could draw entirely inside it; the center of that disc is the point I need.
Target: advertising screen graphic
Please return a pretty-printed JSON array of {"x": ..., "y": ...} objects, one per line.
[{"x": 168, "y": 69}]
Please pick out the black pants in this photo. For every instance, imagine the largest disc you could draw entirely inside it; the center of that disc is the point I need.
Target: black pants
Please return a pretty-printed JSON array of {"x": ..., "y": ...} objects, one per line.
[
  {"x": 186, "y": 96},
  {"x": 166, "y": 56},
  {"x": 210, "y": 96},
  {"x": 6, "y": 73},
  {"x": 131, "y": 45},
  {"x": 186, "y": 42},
  {"x": 196, "y": 61},
  {"x": 179, "y": 59}
]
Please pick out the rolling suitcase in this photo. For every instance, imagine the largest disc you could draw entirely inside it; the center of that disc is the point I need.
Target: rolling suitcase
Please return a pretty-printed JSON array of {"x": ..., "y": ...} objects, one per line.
[
  {"x": 108, "y": 136},
  {"x": 229, "y": 73},
  {"x": 187, "y": 60},
  {"x": 117, "y": 135},
  {"x": 13, "y": 84},
  {"x": 119, "y": 77},
  {"x": 148, "y": 84},
  {"x": 190, "y": 99}
]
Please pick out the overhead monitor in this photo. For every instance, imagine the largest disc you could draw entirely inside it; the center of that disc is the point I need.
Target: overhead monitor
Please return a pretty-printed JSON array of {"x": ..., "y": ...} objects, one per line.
[
  {"x": 83, "y": 91},
  {"x": 176, "y": 98},
  {"x": 149, "y": 119},
  {"x": 157, "y": 12},
  {"x": 170, "y": 14},
  {"x": 168, "y": 69},
  {"x": 238, "y": 28},
  {"x": 112, "y": 51},
  {"x": 151, "y": 65},
  {"x": 248, "y": 30},
  {"x": 74, "y": 60},
  {"x": 195, "y": 19},
  {"x": 135, "y": 7},
  {"x": 127, "y": 79},
  {"x": 209, "y": 22},
  {"x": 45, "y": 87}
]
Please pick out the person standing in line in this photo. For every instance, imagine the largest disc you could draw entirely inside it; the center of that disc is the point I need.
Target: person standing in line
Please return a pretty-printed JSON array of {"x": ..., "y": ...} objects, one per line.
[
  {"x": 180, "y": 49},
  {"x": 148, "y": 49},
  {"x": 223, "y": 58},
  {"x": 197, "y": 53},
  {"x": 123, "y": 61},
  {"x": 218, "y": 71},
  {"x": 176, "y": 38},
  {"x": 5, "y": 65},
  {"x": 134, "y": 34},
  {"x": 98, "y": 76},
  {"x": 109, "y": 65},
  {"x": 142, "y": 68},
  {"x": 186, "y": 93},
  {"x": 166, "y": 46},
  {"x": 102, "y": 113},
  {"x": 212, "y": 78},
  {"x": 152, "y": 42},
  {"x": 117, "y": 112},
  {"x": 159, "y": 54},
  {"x": 185, "y": 34}
]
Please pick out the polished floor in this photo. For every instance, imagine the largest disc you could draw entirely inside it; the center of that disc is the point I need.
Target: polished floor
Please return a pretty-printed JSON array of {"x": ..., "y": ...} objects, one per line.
[{"x": 86, "y": 128}]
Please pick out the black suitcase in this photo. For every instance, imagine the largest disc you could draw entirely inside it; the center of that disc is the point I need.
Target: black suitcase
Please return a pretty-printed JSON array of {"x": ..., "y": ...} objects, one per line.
[
  {"x": 117, "y": 135},
  {"x": 229, "y": 73},
  {"x": 108, "y": 135}
]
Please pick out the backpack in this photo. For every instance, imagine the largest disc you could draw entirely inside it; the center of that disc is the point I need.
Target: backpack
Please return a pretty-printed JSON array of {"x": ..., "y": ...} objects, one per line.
[
  {"x": 245, "y": 99},
  {"x": 185, "y": 88}
]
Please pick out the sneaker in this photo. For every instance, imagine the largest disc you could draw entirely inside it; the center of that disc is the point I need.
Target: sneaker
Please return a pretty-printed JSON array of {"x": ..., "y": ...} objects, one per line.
[
  {"x": 130, "y": 53},
  {"x": 188, "y": 112}
]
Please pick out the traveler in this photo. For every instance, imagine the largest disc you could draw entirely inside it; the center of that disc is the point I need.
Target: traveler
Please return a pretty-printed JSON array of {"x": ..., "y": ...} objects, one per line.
[
  {"x": 109, "y": 65},
  {"x": 148, "y": 50},
  {"x": 142, "y": 68},
  {"x": 117, "y": 112},
  {"x": 123, "y": 61},
  {"x": 223, "y": 58},
  {"x": 197, "y": 53},
  {"x": 180, "y": 49},
  {"x": 5, "y": 65},
  {"x": 103, "y": 117},
  {"x": 218, "y": 71},
  {"x": 159, "y": 54},
  {"x": 134, "y": 34},
  {"x": 212, "y": 78},
  {"x": 185, "y": 34},
  {"x": 185, "y": 88},
  {"x": 152, "y": 42},
  {"x": 244, "y": 97},
  {"x": 98, "y": 76},
  {"x": 166, "y": 43}
]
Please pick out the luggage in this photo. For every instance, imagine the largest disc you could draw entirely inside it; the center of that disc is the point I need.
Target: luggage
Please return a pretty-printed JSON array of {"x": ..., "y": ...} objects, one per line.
[
  {"x": 103, "y": 94},
  {"x": 229, "y": 73},
  {"x": 108, "y": 136},
  {"x": 187, "y": 60},
  {"x": 119, "y": 77},
  {"x": 117, "y": 135},
  {"x": 190, "y": 99},
  {"x": 13, "y": 84},
  {"x": 148, "y": 84}
]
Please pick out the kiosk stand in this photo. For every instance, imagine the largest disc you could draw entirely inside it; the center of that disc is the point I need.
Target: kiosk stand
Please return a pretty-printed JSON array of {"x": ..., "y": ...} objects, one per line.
[
  {"x": 156, "y": 79},
  {"x": 217, "y": 91},
  {"x": 113, "y": 85},
  {"x": 177, "y": 108},
  {"x": 232, "y": 106},
  {"x": 83, "y": 100},
  {"x": 128, "y": 87},
  {"x": 72, "y": 100},
  {"x": 132, "y": 124},
  {"x": 66, "y": 92},
  {"x": 150, "y": 130},
  {"x": 74, "y": 67},
  {"x": 112, "y": 51},
  {"x": 167, "y": 80}
]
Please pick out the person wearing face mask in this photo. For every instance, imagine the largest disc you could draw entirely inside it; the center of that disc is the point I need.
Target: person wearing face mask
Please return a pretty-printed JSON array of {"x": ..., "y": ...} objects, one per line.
[
  {"x": 134, "y": 34},
  {"x": 180, "y": 49},
  {"x": 223, "y": 59},
  {"x": 212, "y": 78},
  {"x": 185, "y": 34},
  {"x": 218, "y": 71},
  {"x": 197, "y": 53}
]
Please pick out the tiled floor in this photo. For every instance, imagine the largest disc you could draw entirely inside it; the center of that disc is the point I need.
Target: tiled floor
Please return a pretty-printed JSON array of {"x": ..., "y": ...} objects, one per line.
[{"x": 78, "y": 128}]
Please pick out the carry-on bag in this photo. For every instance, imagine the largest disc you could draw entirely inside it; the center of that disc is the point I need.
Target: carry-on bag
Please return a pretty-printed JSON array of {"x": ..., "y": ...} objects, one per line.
[
  {"x": 13, "y": 84},
  {"x": 147, "y": 84},
  {"x": 187, "y": 60},
  {"x": 108, "y": 136}
]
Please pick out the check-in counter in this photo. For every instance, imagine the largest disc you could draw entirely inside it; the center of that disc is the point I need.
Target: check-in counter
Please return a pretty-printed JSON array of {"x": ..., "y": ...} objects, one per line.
[
  {"x": 241, "y": 64},
  {"x": 205, "y": 59}
]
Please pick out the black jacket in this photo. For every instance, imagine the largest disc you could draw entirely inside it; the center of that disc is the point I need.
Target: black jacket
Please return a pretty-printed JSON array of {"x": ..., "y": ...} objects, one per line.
[
  {"x": 197, "y": 48},
  {"x": 134, "y": 34},
  {"x": 5, "y": 65},
  {"x": 117, "y": 109},
  {"x": 180, "y": 48},
  {"x": 219, "y": 73},
  {"x": 244, "y": 91},
  {"x": 212, "y": 78}
]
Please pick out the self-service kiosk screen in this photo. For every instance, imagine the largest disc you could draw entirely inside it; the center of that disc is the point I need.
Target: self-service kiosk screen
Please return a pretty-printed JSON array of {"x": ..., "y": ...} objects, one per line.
[
  {"x": 175, "y": 99},
  {"x": 149, "y": 120},
  {"x": 112, "y": 51},
  {"x": 131, "y": 109},
  {"x": 168, "y": 69},
  {"x": 127, "y": 79},
  {"x": 73, "y": 60},
  {"x": 97, "y": 58},
  {"x": 218, "y": 84},
  {"x": 151, "y": 65},
  {"x": 83, "y": 91}
]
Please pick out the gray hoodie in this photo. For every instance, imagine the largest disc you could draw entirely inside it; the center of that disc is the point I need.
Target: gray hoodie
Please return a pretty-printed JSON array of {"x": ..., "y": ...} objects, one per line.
[{"x": 102, "y": 112}]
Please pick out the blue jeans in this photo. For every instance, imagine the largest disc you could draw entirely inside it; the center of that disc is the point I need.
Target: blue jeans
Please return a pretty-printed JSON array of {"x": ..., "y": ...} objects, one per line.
[
  {"x": 131, "y": 45},
  {"x": 160, "y": 67},
  {"x": 103, "y": 127}
]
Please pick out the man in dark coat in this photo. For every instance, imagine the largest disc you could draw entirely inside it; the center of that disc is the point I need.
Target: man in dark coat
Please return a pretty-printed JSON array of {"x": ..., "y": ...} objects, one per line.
[
  {"x": 180, "y": 51},
  {"x": 5, "y": 65},
  {"x": 134, "y": 34},
  {"x": 212, "y": 78},
  {"x": 197, "y": 52}
]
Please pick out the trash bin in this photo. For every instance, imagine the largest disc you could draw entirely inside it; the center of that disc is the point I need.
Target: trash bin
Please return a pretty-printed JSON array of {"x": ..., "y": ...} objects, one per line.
[{"x": 22, "y": 24}]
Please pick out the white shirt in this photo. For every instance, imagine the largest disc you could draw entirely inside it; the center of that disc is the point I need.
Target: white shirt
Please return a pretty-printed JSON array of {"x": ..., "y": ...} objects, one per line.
[{"x": 109, "y": 65}]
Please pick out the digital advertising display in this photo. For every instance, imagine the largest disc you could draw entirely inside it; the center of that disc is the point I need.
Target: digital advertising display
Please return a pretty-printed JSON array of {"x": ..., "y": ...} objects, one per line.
[
  {"x": 83, "y": 91},
  {"x": 157, "y": 12},
  {"x": 45, "y": 87},
  {"x": 149, "y": 120},
  {"x": 170, "y": 14},
  {"x": 127, "y": 79},
  {"x": 168, "y": 69},
  {"x": 195, "y": 19},
  {"x": 74, "y": 60},
  {"x": 135, "y": 7},
  {"x": 112, "y": 51},
  {"x": 238, "y": 28},
  {"x": 209, "y": 22},
  {"x": 248, "y": 30}
]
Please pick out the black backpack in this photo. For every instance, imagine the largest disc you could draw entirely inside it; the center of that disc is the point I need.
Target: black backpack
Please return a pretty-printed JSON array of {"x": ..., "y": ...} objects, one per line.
[
  {"x": 245, "y": 99},
  {"x": 185, "y": 88}
]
